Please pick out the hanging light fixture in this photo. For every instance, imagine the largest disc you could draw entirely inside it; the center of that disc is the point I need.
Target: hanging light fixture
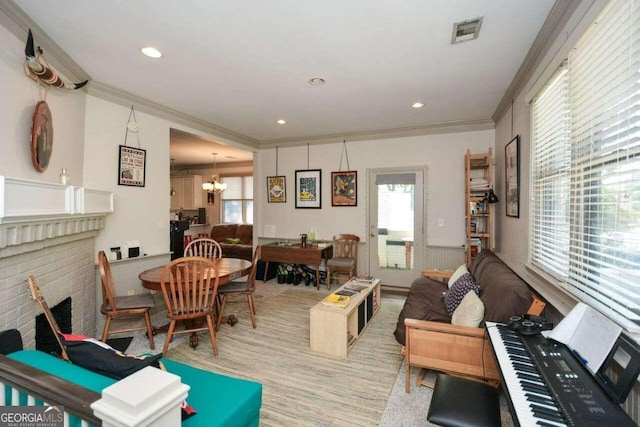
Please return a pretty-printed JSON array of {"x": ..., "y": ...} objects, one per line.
[{"x": 214, "y": 186}]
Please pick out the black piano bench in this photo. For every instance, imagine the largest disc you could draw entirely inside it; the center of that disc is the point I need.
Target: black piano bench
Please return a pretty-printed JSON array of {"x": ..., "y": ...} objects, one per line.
[{"x": 458, "y": 402}]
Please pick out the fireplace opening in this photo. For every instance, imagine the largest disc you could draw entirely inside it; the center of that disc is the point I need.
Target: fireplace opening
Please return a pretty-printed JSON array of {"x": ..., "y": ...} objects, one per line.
[{"x": 45, "y": 340}]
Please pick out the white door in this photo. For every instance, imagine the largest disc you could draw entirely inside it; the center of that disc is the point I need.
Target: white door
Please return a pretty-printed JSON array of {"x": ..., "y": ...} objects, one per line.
[{"x": 396, "y": 224}]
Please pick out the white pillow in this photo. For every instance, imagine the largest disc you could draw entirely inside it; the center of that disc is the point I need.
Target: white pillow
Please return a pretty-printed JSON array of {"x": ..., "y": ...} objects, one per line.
[
  {"x": 456, "y": 274},
  {"x": 470, "y": 312}
]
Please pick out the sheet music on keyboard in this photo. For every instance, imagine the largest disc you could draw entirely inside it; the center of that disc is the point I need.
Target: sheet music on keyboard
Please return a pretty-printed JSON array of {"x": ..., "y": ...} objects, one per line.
[{"x": 588, "y": 333}]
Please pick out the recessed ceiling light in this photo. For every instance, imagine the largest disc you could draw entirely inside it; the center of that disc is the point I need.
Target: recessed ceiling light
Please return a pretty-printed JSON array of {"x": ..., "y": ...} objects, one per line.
[
  {"x": 281, "y": 121},
  {"x": 417, "y": 105},
  {"x": 151, "y": 52},
  {"x": 317, "y": 81}
]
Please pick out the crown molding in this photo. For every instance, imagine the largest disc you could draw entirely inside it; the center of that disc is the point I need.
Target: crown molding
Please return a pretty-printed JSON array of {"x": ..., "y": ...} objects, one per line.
[
  {"x": 558, "y": 16},
  {"x": 430, "y": 129},
  {"x": 18, "y": 23},
  {"x": 117, "y": 96}
]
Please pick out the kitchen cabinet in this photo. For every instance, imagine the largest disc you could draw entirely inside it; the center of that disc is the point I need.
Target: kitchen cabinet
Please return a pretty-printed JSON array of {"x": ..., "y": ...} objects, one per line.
[{"x": 189, "y": 192}]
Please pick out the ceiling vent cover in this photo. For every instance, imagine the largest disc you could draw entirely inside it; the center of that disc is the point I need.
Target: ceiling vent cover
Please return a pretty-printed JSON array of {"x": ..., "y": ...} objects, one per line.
[{"x": 466, "y": 30}]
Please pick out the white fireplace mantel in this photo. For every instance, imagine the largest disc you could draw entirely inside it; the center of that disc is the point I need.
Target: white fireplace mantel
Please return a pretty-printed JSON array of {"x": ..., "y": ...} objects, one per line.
[{"x": 32, "y": 211}]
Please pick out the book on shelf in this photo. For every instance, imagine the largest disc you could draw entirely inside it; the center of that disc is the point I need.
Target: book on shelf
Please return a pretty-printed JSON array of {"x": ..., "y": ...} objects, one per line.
[
  {"x": 355, "y": 288},
  {"x": 346, "y": 292},
  {"x": 337, "y": 300}
]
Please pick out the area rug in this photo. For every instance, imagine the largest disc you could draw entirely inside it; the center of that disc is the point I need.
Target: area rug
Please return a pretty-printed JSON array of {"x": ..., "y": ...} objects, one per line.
[
  {"x": 302, "y": 387},
  {"x": 410, "y": 410}
]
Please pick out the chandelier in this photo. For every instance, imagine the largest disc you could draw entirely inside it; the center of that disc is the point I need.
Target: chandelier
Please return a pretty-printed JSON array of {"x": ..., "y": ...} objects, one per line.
[{"x": 214, "y": 186}]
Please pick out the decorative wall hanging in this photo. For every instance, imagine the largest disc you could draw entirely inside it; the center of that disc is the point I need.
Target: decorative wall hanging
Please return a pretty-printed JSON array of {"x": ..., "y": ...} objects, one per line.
[
  {"x": 277, "y": 189},
  {"x": 344, "y": 185},
  {"x": 344, "y": 188},
  {"x": 276, "y": 186},
  {"x": 512, "y": 176},
  {"x": 41, "y": 136},
  {"x": 308, "y": 188},
  {"x": 39, "y": 70},
  {"x": 132, "y": 161}
]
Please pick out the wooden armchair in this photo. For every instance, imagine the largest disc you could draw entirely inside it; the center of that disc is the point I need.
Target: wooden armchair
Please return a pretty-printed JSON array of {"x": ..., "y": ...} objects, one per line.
[{"x": 457, "y": 350}]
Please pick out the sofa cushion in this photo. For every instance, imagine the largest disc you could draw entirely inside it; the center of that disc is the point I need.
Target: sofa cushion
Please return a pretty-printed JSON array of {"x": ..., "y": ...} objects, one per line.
[
  {"x": 458, "y": 290},
  {"x": 424, "y": 302},
  {"x": 502, "y": 292},
  {"x": 470, "y": 312}
]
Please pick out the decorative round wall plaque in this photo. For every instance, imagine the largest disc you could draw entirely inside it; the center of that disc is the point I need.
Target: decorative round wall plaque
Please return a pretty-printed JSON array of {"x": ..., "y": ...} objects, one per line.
[{"x": 41, "y": 136}]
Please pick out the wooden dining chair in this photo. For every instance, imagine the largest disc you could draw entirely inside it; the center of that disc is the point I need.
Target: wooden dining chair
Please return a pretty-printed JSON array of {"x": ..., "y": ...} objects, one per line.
[
  {"x": 115, "y": 306},
  {"x": 345, "y": 256},
  {"x": 203, "y": 247},
  {"x": 241, "y": 288},
  {"x": 189, "y": 286}
]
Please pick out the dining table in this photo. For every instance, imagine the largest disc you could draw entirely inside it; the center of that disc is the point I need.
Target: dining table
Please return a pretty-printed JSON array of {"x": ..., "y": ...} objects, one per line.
[{"x": 228, "y": 269}]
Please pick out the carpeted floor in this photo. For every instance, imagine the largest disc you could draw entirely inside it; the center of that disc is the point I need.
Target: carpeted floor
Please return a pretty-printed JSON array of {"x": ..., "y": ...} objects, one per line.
[
  {"x": 301, "y": 387},
  {"x": 410, "y": 410}
]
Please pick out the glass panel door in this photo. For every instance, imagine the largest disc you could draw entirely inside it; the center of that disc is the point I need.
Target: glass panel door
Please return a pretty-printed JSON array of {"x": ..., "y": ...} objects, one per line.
[{"x": 396, "y": 225}]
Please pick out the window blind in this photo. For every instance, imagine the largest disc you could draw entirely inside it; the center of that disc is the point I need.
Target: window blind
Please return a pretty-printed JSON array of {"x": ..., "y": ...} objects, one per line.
[
  {"x": 585, "y": 219},
  {"x": 604, "y": 267},
  {"x": 551, "y": 162}
]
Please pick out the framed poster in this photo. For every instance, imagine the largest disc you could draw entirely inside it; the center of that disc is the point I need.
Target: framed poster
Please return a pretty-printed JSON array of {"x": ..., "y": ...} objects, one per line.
[
  {"x": 512, "y": 176},
  {"x": 276, "y": 189},
  {"x": 131, "y": 166},
  {"x": 344, "y": 188},
  {"x": 308, "y": 188}
]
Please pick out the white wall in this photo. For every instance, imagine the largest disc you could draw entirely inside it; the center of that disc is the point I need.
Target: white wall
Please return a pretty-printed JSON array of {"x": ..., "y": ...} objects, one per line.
[
  {"x": 443, "y": 155},
  {"x": 141, "y": 213},
  {"x": 19, "y": 97}
]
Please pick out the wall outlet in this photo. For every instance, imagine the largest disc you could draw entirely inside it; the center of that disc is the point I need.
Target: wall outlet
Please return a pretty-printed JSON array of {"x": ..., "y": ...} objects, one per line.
[
  {"x": 131, "y": 292},
  {"x": 440, "y": 222}
]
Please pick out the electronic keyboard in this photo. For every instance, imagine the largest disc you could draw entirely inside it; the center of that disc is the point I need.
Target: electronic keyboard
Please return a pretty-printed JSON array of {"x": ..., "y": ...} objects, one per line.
[{"x": 546, "y": 385}]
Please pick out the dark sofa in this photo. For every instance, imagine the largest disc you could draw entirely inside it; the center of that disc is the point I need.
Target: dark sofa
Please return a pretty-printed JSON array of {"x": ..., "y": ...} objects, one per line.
[
  {"x": 431, "y": 341},
  {"x": 502, "y": 292},
  {"x": 236, "y": 240}
]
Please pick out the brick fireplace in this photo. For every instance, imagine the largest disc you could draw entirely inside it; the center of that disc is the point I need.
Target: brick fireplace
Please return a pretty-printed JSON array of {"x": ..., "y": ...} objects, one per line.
[
  {"x": 48, "y": 231},
  {"x": 63, "y": 267}
]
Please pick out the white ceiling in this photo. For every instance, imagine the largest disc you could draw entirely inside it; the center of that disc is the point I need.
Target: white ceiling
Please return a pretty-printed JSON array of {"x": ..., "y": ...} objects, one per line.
[{"x": 243, "y": 64}]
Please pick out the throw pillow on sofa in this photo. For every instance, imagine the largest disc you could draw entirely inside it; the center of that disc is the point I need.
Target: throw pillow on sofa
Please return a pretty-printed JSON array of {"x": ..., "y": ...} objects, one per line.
[
  {"x": 456, "y": 274},
  {"x": 458, "y": 290},
  {"x": 470, "y": 312}
]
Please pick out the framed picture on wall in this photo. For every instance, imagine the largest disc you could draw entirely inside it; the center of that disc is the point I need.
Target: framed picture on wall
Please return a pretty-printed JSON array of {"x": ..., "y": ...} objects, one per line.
[
  {"x": 344, "y": 188},
  {"x": 131, "y": 166},
  {"x": 276, "y": 189},
  {"x": 308, "y": 188},
  {"x": 512, "y": 176}
]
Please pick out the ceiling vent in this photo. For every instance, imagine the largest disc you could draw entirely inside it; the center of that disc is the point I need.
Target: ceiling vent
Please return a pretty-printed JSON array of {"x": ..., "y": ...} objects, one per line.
[{"x": 466, "y": 30}]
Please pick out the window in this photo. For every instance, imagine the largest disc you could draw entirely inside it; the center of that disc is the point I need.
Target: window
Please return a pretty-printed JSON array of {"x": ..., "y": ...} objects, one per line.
[
  {"x": 585, "y": 210},
  {"x": 237, "y": 199}
]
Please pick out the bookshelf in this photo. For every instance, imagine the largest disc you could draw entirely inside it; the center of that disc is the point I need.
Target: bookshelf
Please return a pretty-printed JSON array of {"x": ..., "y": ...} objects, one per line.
[
  {"x": 335, "y": 330},
  {"x": 478, "y": 212}
]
